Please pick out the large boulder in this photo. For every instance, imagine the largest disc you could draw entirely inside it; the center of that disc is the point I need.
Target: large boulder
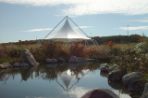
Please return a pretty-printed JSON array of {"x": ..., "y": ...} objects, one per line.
[
  {"x": 131, "y": 77},
  {"x": 5, "y": 65},
  {"x": 134, "y": 82},
  {"x": 29, "y": 58},
  {"x": 145, "y": 92},
  {"x": 100, "y": 93},
  {"x": 116, "y": 75}
]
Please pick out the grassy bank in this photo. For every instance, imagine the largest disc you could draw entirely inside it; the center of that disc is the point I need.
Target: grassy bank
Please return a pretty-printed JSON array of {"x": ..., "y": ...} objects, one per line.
[{"x": 129, "y": 56}]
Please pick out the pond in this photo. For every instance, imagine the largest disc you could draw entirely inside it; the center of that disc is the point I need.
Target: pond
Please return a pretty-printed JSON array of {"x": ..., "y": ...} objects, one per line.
[{"x": 54, "y": 81}]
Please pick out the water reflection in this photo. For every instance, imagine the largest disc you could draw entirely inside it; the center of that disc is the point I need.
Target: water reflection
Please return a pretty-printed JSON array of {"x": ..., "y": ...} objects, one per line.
[
  {"x": 55, "y": 81},
  {"x": 65, "y": 80}
]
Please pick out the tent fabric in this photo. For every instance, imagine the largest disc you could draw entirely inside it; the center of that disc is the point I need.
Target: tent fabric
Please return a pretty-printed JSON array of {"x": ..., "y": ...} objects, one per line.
[{"x": 67, "y": 32}]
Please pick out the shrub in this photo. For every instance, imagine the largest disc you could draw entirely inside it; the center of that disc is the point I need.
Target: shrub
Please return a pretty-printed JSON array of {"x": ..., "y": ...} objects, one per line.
[{"x": 77, "y": 49}]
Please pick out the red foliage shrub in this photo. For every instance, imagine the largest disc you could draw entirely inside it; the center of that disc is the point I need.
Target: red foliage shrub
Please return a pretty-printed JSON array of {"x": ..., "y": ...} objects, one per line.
[{"x": 110, "y": 44}]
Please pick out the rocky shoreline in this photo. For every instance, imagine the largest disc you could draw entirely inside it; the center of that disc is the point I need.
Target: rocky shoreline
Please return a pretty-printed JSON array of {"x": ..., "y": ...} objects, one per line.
[{"x": 133, "y": 82}]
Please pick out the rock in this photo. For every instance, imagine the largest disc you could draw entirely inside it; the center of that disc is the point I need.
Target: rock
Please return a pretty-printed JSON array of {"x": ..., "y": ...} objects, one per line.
[
  {"x": 49, "y": 61},
  {"x": 74, "y": 59},
  {"x": 19, "y": 65},
  {"x": 104, "y": 65},
  {"x": 134, "y": 82},
  {"x": 116, "y": 75},
  {"x": 145, "y": 92},
  {"x": 115, "y": 85},
  {"x": 113, "y": 67},
  {"x": 5, "y": 65},
  {"x": 131, "y": 77},
  {"x": 29, "y": 58},
  {"x": 136, "y": 87},
  {"x": 61, "y": 60},
  {"x": 104, "y": 68},
  {"x": 91, "y": 60},
  {"x": 100, "y": 93}
]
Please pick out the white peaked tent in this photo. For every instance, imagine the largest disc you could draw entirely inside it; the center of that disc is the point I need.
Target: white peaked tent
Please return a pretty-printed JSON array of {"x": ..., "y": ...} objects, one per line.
[{"x": 66, "y": 31}]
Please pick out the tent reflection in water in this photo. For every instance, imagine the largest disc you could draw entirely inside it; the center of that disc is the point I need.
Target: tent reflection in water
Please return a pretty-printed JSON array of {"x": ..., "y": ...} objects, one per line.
[
  {"x": 67, "y": 80},
  {"x": 68, "y": 31}
]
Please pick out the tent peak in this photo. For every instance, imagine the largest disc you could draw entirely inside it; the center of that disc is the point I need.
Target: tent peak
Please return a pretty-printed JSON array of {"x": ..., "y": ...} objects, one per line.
[{"x": 66, "y": 31}]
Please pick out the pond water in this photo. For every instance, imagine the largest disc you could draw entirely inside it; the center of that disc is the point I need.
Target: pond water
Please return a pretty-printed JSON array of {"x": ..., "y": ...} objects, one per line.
[{"x": 54, "y": 81}]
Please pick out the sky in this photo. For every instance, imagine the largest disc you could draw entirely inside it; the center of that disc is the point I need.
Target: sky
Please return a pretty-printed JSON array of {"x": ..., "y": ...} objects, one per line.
[{"x": 33, "y": 19}]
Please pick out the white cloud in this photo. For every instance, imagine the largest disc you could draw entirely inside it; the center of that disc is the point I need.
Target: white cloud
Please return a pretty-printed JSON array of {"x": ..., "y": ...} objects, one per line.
[
  {"x": 38, "y": 30},
  {"x": 44, "y": 2},
  {"x": 131, "y": 7},
  {"x": 87, "y": 7},
  {"x": 144, "y": 20},
  {"x": 135, "y": 28}
]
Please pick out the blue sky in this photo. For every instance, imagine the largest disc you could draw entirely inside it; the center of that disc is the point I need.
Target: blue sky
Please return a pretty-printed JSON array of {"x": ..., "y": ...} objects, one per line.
[{"x": 31, "y": 19}]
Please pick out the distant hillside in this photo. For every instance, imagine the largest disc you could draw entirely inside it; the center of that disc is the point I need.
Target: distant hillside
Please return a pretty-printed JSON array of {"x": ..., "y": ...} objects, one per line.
[{"x": 120, "y": 39}]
